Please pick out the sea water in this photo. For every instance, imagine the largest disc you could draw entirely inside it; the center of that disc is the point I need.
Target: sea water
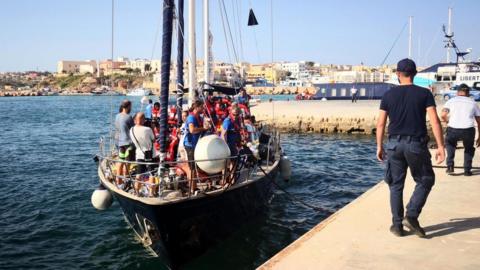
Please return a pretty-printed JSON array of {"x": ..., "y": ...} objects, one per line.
[{"x": 47, "y": 175}]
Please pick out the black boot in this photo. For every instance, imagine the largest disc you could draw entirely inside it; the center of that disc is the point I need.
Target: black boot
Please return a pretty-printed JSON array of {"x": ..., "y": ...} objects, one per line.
[
  {"x": 467, "y": 173},
  {"x": 397, "y": 230},
  {"x": 413, "y": 225},
  {"x": 450, "y": 169}
]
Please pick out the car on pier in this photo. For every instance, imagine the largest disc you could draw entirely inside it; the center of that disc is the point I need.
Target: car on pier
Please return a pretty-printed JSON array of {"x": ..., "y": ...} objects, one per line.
[{"x": 474, "y": 92}]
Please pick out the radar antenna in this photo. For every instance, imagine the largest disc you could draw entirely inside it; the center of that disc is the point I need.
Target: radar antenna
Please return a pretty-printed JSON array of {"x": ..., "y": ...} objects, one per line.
[{"x": 450, "y": 43}]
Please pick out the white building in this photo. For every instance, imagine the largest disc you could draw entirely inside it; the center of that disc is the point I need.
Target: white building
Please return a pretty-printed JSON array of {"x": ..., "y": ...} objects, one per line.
[
  {"x": 226, "y": 72},
  {"x": 144, "y": 65},
  {"x": 66, "y": 66},
  {"x": 87, "y": 68},
  {"x": 349, "y": 76},
  {"x": 359, "y": 76},
  {"x": 295, "y": 68}
]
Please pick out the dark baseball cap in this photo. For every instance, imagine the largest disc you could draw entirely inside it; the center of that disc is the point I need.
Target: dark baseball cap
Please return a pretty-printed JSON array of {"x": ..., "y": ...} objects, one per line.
[
  {"x": 463, "y": 87},
  {"x": 407, "y": 65}
]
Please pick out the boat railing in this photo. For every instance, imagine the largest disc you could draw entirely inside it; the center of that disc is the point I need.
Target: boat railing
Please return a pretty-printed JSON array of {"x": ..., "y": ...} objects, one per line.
[
  {"x": 182, "y": 178},
  {"x": 177, "y": 179}
]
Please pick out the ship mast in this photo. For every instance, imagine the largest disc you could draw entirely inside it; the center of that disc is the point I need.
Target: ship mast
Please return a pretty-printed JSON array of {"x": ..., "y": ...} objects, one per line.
[
  {"x": 180, "y": 45},
  {"x": 206, "y": 43},
  {"x": 449, "y": 34},
  {"x": 168, "y": 6},
  {"x": 192, "y": 76}
]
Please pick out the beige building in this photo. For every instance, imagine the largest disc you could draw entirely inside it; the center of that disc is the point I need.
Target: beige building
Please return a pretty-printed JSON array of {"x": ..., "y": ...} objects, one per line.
[
  {"x": 109, "y": 67},
  {"x": 144, "y": 65},
  {"x": 66, "y": 66},
  {"x": 266, "y": 71}
]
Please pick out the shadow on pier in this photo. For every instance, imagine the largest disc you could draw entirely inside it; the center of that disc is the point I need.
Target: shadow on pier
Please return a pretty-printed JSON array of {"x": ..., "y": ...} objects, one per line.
[{"x": 453, "y": 226}]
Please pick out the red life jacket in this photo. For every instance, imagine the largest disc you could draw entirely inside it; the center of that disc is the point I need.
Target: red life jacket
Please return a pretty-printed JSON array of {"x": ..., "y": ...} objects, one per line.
[
  {"x": 244, "y": 108},
  {"x": 172, "y": 145}
]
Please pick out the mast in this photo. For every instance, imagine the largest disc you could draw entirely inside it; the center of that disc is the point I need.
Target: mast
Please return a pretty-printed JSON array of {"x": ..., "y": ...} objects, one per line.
[
  {"x": 410, "y": 37},
  {"x": 192, "y": 76},
  {"x": 165, "y": 75},
  {"x": 180, "y": 46},
  {"x": 449, "y": 33},
  {"x": 206, "y": 44}
]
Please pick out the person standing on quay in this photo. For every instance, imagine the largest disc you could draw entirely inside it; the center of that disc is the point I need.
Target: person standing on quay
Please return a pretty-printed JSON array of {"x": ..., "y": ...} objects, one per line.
[
  {"x": 461, "y": 112},
  {"x": 353, "y": 91},
  {"x": 406, "y": 106}
]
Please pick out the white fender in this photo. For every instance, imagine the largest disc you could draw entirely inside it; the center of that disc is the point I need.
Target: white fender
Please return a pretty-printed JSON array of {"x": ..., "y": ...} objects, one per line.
[
  {"x": 285, "y": 168},
  {"x": 211, "y": 147},
  {"x": 101, "y": 199}
]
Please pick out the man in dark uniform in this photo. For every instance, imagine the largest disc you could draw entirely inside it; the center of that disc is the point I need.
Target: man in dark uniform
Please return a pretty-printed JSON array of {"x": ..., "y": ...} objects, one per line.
[{"x": 406, "y": 107}]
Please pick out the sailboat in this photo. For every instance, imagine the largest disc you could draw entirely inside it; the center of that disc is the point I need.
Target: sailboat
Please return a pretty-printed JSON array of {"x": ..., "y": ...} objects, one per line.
[{"x": 176, "y": 223}]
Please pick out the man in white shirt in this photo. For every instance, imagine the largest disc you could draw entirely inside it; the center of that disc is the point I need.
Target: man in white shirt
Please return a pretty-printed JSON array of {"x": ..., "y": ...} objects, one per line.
[
  {"x": 353, "y": 92},
  {"x": 461, "y": 112},
  {"x": 143, "y": 138}
]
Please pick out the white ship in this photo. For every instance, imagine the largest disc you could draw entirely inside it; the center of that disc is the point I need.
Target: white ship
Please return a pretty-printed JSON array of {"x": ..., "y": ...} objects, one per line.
[{"x": 139, "y": 92}]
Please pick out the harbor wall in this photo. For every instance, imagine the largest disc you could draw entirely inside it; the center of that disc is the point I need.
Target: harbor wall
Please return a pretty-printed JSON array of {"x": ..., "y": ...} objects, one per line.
[
  {"x": 280, "y": 90},
  {"x": 315, "y": 116}
]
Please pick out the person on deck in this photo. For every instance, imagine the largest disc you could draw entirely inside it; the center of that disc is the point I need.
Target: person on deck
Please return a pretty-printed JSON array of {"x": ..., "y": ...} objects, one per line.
[
  {"x": 231, "y": 130},
  {"x": 194, "y": 130},
  {"x": 143, "y": 139},
  {"x": 250, "y": 128},
  {"x": 243, "y": 97},
  {"x": 183, "y": 131},
  {"x": 406, "y": 106},
  {"x": 156, "y": 111},
  {"x": 461, "y": 113},
  {"x": 148, "y": 113},
  {"x": 123, "y": 123}
]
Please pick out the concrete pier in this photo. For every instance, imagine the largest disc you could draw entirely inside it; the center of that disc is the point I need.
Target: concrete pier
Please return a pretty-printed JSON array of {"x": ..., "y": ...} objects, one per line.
[
  {"x": 358, "y": 237},
  {"x": 333, "y": 116}
]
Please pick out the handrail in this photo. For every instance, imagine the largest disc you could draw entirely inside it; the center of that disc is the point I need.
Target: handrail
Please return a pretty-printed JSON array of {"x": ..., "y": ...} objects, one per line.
[
  {"x": 171, "y": 162},
  {"x": 239, "y": 169},
  {"x": 164, "y": 180}
]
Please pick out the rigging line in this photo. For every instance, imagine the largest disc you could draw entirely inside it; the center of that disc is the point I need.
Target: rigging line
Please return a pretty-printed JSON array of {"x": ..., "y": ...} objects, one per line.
[
  {"x": 156, "y": 37},
  {"x": 434, "y": 40},
  {"x": 393, "y": 45},
  {"x": 234, "y": 24},
  {"x": 230, "y": 31},
  {"x": 255, "y": 35},
  {"x": 271, "y": 30},
  {"x": 182, "y": 32},
  {"x": 271, "y": 27},
  {"x": 224, "y": 32},
  {"x": 293, "y": 197},
  {"x": 256, "y": 45},
  {"x": 111, "y": 75},
  {"x": 239, "y": 16}
]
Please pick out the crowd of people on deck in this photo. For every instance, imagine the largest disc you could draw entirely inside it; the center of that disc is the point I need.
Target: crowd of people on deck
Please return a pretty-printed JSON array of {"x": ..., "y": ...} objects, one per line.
[{"x": 137, "y": 137}]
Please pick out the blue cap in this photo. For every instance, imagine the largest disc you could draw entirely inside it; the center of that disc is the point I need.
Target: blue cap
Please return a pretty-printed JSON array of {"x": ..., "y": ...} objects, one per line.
[{"x": 407, "y": 65}]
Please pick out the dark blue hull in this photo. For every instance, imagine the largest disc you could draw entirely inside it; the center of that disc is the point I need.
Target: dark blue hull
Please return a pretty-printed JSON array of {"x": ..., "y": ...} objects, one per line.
[
  {"x": 181, "y": 231},
  {"x": 339, "y": 91}
]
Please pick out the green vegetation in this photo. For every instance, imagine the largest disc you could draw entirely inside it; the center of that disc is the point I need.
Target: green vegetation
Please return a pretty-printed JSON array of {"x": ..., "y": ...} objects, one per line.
[{"x": 70, "y": 81}]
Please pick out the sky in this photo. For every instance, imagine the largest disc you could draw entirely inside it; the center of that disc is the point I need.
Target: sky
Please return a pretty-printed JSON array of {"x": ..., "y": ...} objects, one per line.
[{"x": 34, "y": 34}]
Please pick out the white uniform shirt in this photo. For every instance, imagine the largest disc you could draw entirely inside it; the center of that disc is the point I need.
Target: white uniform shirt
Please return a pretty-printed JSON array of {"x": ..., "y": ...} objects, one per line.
[
  {"x": 462, "y": 111},
  {"x": 143, "y": 140},
  {"x": 353, "y": 90}
]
